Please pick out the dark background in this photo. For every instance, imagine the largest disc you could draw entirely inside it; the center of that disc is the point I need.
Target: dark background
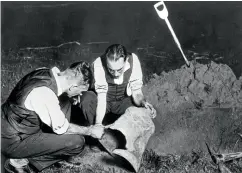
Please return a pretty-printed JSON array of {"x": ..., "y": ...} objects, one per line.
[
  {"x": 200, "y": 26},
  {"x": 215, "y": 25}
]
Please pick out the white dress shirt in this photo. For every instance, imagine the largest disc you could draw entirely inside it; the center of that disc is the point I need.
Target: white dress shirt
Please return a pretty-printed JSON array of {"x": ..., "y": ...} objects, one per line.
[
  {"x": 135, "y": 81},
  {"x": 45, "y": 103}
]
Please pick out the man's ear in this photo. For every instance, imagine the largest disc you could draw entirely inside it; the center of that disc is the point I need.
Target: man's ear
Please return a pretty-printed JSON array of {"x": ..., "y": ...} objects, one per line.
[{"x": 72, "y": 87}]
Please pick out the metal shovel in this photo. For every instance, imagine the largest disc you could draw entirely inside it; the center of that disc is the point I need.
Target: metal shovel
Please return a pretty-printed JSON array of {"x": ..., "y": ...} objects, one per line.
[
  {"x": 220, "y": 159},
  {"x": 163, "y": 14}
]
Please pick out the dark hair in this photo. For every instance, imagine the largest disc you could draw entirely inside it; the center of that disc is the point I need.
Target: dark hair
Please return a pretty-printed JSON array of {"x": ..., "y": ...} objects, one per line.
[
  {"x": 82, "y": 68},
  {"x": 116, "y": 51}
]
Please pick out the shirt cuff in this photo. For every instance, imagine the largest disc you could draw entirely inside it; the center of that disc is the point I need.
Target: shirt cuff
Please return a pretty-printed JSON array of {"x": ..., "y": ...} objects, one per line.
[
  {"x": 101, "y": 88},
  {"x": 62, "y": 129},
  {"x": 135, "y": 85}
]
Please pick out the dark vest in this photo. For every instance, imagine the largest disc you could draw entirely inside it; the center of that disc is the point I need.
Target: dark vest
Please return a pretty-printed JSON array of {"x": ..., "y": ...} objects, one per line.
[
  {"x": 117, "y": 92},
  {"x": 16, "y": 119}
]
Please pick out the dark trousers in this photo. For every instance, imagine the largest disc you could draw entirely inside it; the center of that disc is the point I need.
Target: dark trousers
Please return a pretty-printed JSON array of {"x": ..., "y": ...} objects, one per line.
[
  {"x": 114, "y": 109},
  {"x": 45, "y": 147}
]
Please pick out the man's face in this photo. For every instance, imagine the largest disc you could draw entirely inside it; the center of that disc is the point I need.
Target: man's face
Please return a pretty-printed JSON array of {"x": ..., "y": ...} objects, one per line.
[
  {"x": 116, "y": 68},
  {"x": 75, "y": 90}
]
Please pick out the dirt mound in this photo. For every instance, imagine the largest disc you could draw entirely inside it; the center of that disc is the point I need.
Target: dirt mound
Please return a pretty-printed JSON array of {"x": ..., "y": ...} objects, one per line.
[
  {"x": 210, "y": 85},
  {"x": 202, "y": 103}
]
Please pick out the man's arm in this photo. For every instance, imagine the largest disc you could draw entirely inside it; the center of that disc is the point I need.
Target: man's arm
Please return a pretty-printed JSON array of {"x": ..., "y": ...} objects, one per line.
[
  {"x": 101, "y": 87},
  {"x": 75, "y": 129},
  {"x": 140, "y": 101},
  {"x": 50, "y": 113},
  {"x": 47, "y": 108},
  {"x": 138, "y": 97},
  {"x": 101, "y": 107},
  {"x": 136, "y": 83},
  {"x": 94, "y": 131}
]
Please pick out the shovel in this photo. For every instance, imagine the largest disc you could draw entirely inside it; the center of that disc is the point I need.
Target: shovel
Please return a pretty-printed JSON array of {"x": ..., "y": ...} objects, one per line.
[
  {"x": 163, "y": 14},
  {"x": 220, "y": 159}
]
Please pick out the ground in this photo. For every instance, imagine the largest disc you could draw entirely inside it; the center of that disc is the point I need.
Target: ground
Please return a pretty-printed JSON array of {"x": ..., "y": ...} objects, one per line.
[{"x": 178, "y": 144}]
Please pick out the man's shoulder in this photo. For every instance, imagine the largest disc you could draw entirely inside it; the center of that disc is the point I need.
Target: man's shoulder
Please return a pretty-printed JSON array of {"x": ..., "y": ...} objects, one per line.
[
  {"x": 135, "y": 58},
  {"x": 36, "y": 96},
  {"x": 133, "y": 55},
  {"x": 97, "y": 62},
  {"x": 43, "y": 90}
]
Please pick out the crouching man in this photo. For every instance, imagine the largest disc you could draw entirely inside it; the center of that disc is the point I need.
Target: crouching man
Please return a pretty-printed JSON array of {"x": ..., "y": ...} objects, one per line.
[
  {"x": 40, "y": 100},
  {"x": 118, "y": 82}
]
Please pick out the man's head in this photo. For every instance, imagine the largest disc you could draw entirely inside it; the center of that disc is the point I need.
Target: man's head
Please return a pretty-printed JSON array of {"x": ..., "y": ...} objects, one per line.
[
  {"x": 116, "y": 56},
  {"x": 78, "y": 78}
]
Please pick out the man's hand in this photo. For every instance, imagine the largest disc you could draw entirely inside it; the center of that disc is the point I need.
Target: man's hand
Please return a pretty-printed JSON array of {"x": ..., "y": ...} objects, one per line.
[
  {"x": 96, "y": 131},
  {"x": 150, "y": 107}
]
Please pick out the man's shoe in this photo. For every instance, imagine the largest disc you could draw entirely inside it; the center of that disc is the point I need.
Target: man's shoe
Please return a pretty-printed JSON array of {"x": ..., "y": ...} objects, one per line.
[{"x": 11, "y": 169}]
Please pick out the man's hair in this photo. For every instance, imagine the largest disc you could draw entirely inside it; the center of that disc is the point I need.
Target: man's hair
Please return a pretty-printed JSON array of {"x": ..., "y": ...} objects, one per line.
[
  {"x": 83, "y": 70},
  {"x": 115, "y": 52}
]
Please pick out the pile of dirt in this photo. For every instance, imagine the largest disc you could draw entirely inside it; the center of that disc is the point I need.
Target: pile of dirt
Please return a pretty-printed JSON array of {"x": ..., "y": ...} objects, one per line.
[
  {"x": 196, "y": 104},
  {"x": 197, "y": 86}
]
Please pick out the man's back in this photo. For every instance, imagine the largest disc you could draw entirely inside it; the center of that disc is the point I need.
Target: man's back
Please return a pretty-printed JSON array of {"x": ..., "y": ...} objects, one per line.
[{"x": 16, "y": 117}]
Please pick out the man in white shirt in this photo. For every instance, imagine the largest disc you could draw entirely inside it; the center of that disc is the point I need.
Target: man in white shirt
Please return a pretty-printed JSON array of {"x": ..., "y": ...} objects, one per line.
[
  {"x": 41, "y": 98},
  {"x": 117, "y": 86}
]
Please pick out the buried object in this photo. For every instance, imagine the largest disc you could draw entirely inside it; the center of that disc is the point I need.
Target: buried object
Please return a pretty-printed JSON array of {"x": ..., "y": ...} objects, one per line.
[{"x": 129, "y": 135}]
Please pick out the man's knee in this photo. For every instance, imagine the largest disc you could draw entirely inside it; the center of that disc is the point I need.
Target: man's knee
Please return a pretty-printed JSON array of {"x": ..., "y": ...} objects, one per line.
[{"x": 76, "y": 142}]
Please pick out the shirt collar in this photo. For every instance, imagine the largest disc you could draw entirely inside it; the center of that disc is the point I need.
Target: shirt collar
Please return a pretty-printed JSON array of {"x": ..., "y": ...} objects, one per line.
[{"x": 55, "y": 72}]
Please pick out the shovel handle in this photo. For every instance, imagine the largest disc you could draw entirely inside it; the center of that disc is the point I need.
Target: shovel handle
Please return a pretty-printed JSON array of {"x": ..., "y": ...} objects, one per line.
[
  {"x": 163, "y": 14},
  {"x": 176, "y": 41}
]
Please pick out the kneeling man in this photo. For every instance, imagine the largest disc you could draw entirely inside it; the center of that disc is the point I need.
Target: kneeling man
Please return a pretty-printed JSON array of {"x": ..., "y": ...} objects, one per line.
[
  {"x": 39, "y": 100},
  {"x": 117, "y": 86}
]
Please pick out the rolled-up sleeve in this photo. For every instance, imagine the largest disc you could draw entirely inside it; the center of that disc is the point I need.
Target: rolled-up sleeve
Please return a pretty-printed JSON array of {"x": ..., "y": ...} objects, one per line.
[
  {"x": 136, "y": 78},
  {"x": 101, "y": 85},
  {"x": 48, "y": 109}
]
